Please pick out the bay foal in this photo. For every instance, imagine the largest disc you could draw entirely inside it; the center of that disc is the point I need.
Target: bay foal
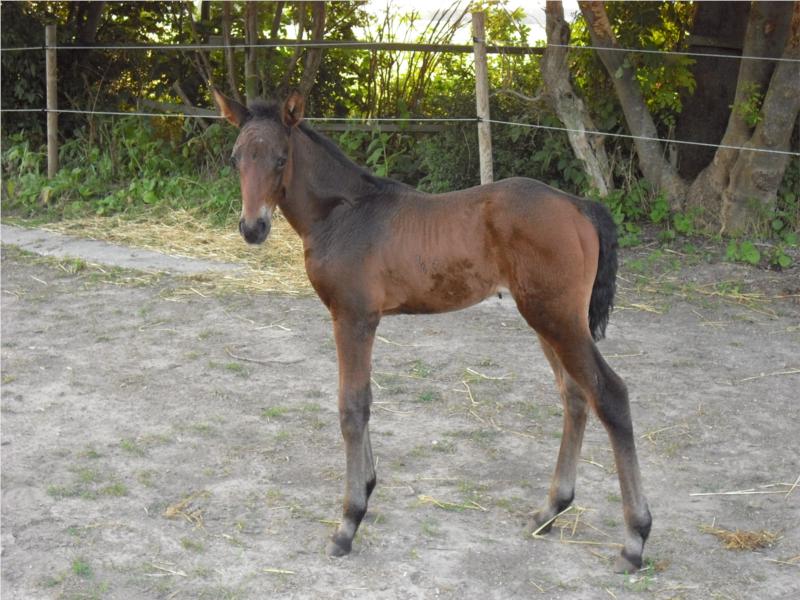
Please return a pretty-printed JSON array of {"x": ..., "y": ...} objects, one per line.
[{"x": 377, "y": 247}]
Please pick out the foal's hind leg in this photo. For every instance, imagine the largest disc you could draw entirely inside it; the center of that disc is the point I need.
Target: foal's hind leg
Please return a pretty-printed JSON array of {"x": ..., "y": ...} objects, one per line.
[
  {"x": 562, "y": 487},
  {"x": 354, "y": 338},
  {"x": 609, "y": 397}
]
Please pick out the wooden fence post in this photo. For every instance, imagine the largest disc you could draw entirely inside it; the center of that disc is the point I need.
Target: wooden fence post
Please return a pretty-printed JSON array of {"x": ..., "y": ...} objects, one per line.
[
  {"x": 482, "y": 97},
  {"x": 52, "y": 100}
]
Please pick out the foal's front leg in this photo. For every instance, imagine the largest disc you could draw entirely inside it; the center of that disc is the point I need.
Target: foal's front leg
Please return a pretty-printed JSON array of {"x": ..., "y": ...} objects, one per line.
[{"x": 354, "y": 338}]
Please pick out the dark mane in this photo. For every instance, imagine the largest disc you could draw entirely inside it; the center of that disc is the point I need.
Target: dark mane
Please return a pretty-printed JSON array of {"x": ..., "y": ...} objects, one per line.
[{"x": 333, "y": 150}]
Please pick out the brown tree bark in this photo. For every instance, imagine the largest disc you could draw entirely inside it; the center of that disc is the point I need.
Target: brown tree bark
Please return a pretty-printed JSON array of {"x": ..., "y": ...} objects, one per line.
[
  {"x": 199, "y": 57},
  {"x": 298, "y": 51},
  {"x": 88, "y": 31},
  {"x": 755, "y": 176},
  {"x": 567, "y": 105},
  {"x": 767, "y": 29},
  {"x": 717, "y": 32},
  {"x": 251, "y": 79},
  {"x": 313, "y": 57},
  {"x": 655, "y": 167},
  {"x": 230, "y": 61}
]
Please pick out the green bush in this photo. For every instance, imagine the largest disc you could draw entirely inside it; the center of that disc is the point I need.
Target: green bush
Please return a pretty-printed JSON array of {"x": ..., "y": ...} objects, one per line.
[{"x": 123, "y": 165}]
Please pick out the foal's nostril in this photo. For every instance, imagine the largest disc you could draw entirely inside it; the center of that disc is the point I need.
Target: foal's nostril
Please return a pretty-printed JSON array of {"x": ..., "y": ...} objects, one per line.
[{"x": 263, "y": 227}]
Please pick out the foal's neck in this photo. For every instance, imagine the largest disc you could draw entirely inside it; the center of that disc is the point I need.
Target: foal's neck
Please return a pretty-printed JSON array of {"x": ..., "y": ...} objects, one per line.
[{"x": 322, "y": 178}]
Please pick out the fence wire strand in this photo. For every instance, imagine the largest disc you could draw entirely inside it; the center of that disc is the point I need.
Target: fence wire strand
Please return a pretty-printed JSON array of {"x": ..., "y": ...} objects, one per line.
[
  {"x": 415, "y": 120},
  {"x": 356, "y": 44}
]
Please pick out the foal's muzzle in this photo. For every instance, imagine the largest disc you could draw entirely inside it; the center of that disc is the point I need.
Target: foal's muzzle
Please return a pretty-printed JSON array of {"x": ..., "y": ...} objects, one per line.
[{"x": 256, "y": 232}]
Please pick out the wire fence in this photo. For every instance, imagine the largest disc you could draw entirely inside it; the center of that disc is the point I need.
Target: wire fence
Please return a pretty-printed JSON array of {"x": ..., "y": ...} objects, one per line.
[
  {"x": 376, "y": 120},
  {"x": 356, "y": 45},
  {"x": 431, "y": 120}
]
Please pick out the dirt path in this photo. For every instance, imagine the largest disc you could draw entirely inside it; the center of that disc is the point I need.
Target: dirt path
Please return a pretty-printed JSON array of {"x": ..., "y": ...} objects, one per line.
[{"x": 159, "y": 443}]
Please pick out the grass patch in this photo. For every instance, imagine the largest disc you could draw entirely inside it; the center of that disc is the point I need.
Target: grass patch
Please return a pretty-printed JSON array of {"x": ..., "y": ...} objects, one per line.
[
  {"x": 90, "y": 453},
  {"x": 132, "y": 447},
  {"x": 430, "y": 528},
  {"x": 203, "y": 429},
  {"x": 274, "y": 412},
  {"x": 81, "y": 568},
  {"x": 115, "y": 490},
  {"x": 237, "y": 368},
  {"x": 86, "y": 475},
  {"x": 420, "y": 369},
  {"x": 429, "y": 396},
  {"x": 192, "y": 545},
  {"x": 145, "y": 478},
  {"x": 63, "y": 491}
]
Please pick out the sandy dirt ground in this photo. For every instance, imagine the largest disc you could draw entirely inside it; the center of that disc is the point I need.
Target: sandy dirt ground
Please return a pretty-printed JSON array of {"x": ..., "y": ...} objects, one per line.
[{"x": 162, "y": 441}]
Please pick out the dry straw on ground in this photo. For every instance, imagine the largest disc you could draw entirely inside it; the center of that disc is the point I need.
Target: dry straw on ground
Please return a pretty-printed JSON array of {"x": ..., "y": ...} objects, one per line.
[
  {"x": 277, "y": 266},
  {"x": 742, "y": 540}
]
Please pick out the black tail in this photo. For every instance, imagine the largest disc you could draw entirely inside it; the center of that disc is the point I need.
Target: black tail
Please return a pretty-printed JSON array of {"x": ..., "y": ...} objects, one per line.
[{"x": 605, "y": 282}]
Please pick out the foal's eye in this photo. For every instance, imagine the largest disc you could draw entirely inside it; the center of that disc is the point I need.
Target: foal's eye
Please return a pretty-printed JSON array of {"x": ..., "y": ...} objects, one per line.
[{"x": 281, "y": 162}]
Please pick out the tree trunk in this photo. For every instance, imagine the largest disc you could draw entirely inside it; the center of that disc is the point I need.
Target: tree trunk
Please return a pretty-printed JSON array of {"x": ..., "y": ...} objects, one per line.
[
  {"x": 230, "y": 60},
  {"x": 313, "y": 55},
  {"x": 655, "y": 167},
  {"x": 755, "y": 176},
  {"x": 87, "y": 33},
  {"x": 270, "y": 53},
  {"x": 251, "y": 79},
  {"x": 767, "y": 28},
  {"x": 199, "y": 59},
  {"x": 298, "y": 51},
  {"x": 718, "y": 30},
  {"x": 568, "y": 106}
]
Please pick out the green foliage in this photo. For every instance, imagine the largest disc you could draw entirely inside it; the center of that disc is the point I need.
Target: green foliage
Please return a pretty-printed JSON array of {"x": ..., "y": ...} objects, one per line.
[
  {"x": 663, "y": 81},
  {"x": 750, "y": 108},
  {"x": 628, "y": 208},
  {"x": 659, "y": 212},
  {"x": 22, "y": 73},
  {"x": 784, "y": 225},
  {"x": 744, "y": 251},
  {"x": 449, "y": 160},
  {"x": 780, "y": 228},
  {"x": 385, "y": 154},
  {"x": 121, "y": 165},
  {"x": 81, "y": 568}
]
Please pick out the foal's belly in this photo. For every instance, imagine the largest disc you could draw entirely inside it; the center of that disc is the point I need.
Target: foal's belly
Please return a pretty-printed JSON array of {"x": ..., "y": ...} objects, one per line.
[{"x": 434, "y": 286}]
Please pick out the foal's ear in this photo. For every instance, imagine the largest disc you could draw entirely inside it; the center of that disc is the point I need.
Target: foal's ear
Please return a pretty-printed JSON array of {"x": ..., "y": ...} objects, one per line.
[
  {"x": 293, "y": 109},
  {"x": 234, "y": 112}
]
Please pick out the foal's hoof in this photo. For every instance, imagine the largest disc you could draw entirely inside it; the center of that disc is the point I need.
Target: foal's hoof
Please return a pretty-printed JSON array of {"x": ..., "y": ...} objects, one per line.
[
  {"x": 627, "y": 564},
  {"x": 538, "y": 524},
  {"x": 339, "y": 547}
]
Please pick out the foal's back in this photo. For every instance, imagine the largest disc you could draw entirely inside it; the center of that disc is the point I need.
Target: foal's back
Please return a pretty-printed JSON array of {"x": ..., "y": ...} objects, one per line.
[{"x": 448, "y": 251}]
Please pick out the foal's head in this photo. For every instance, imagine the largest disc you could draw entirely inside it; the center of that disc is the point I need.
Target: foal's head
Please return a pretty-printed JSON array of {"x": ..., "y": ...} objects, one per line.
[{"x": 261, "y": 155}]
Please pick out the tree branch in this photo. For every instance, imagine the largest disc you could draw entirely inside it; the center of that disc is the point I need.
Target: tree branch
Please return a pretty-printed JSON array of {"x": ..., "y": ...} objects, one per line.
[
  {"x": 251, "y": 80},
  {"x": 314, "y": 55},
  {"x": 655, "y": 167},
  {"x": 566, "y": 103},
  {"x": 230, "y": 61}
]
